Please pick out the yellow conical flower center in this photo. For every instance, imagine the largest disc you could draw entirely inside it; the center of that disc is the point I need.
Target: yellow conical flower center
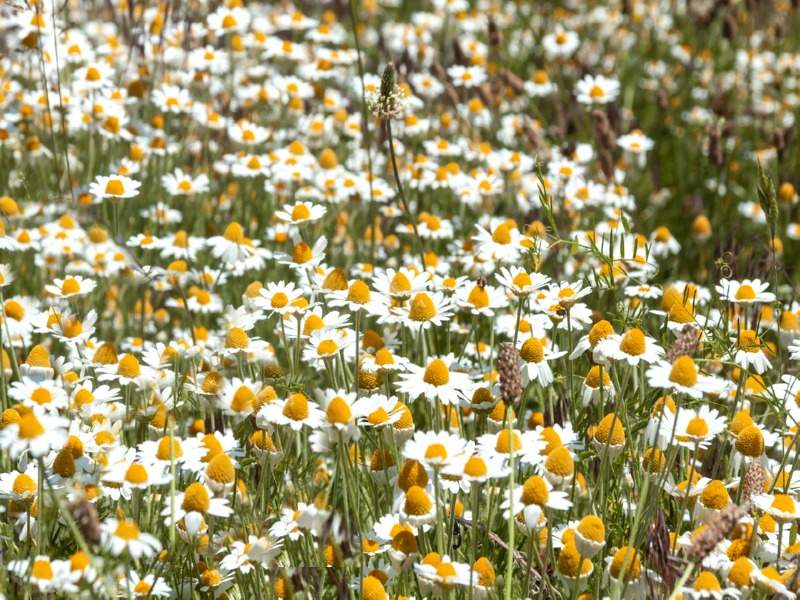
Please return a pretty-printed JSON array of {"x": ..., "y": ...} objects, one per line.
[
  {"x": 417, "y": 502},
  {"x": 697, "y": 427},
  {"x": 136, "y": 474},
  {"x": 745, "y": 292},
  {"x": 212, "y": 382},
  {"x": 373, "y": 589},
  {"x": 10, "y": 416},
  {"x": 196, "y": 499},
  {"x": 502, "y": 234},
  {"x": 503, "y": 443},
  {"x": 296, "y": 407},
  {"x": 338, "y": 411},
  {"x": 312, "y": 323},
  {"x": 399, "y": 284},
  {"x": 378, "y": 417},
  {"x": 234, "y": 233},
  {"x": 706, "y": 581},
  {"x": 262, "y": 441},
  {"x": 41, "y": 396},
  {"x": 534, "y": 491},
  {"x": 750, "y": 441},
  {"x": 715, "y": 495},
  {"x": 600, "y": 330},
  {"x": 384, "y": 357},
  {"x": 559, "y": 462},
  {"x": 412, "y": 473},
  {"x": 327, "y": 347},
  {"x": 748, "y": 341},
  {"x": 335, "y": 281},
  {"x": 436, "y": 451},
  {"x": 522, "y": 279},
  {"x": 221, "y": 469},
  {"x": 30, "y": 427},
  {"x": 129, "y": 367},
  {"x": 64, "y": 463},
  {"x": 42, "y": 569},
  {"x": 23, "y": 485},
  {"x": 14, "y": 310},
  {"x": 114, "y": 187},
  {"x": 105, "y": 355},
  {"x": 302, "y": 253},
  {"x": 213, "y": 446},
  {"x": 628, "y": 558},
  {"x": 405, "y": 542},
  {"x": 128, "y": 530},
  {"x": 681, "y": 313},
  {"x": 593, "y": 378},
  {"x": 603, "y": 431},
  {"x": 683, "y": 372},
  {"x": 475, "y": 467},
  {"x": 243, "y": 400},
  {"x": 358, "y": 293},
  {"x": 783, "y": 503},
  {"x": 569, "y": 561},
  {"x": 633, "y": 342},
  {"x": 592, "y": 528},
  {"x": 478, "y": 297},
  {"x": 436, "y": 373},
  {"x": 422, "y": 308},
  {"x": 300, "y": 212},
  {"x": 237, "y": 338}
]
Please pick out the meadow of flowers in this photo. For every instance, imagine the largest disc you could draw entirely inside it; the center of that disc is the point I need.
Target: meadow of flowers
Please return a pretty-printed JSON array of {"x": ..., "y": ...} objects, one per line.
[{"x": 385, "y": 299}]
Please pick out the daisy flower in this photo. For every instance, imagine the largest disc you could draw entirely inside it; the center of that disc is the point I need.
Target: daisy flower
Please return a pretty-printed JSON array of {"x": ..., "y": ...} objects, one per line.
[
  {"x": 521, "y": 283},
  {"x": 324, "y": 345},
  {"x": 436, "y": 381},
  {"x": 278, "y": 298},
  {"x": 693, "y": 428},
  {"x": 434, "y": 450},
  {"x": 182, "y": 184},
  {"x": 196, "y": 498},
  {"x": 71, "y": 287},
  {"x": 747, "y": 292},
  {"x": 125, "y": 536},
  {"x": 300, "y": 213},
  {"x": 749, "y": 352},
  {"x": 33, "y": 434},
  {"x": 114, "y": 186},
  {"x": 296, "y": 411},
  {"x": 533, "y": 361},
  {"x": 632, "y": 347},
  {"x": 481, "y": 299},
  {"x": 681, "y": 376},
  {"x": 596, "y": 90}
]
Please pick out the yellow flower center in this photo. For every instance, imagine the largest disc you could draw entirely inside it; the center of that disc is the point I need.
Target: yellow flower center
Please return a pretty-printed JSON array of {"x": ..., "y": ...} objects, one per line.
[
  {"x": 629, "y": 559},
  {"x": 41, "y": 396},
  {"x": 570, "y": 560},
  {"x": 633, "y": 342},
  {"x": 417, "y": 502},
  {"x": 64, "y": 463},
  {"x": 502, "y": 234},
  {"x": 522, "y": 279},
  {"x": 600, "y": 330},
  {"x": 745, "y": 292},
  {"x": 221, "y": 469},
  {"x": 127, "y": 530},
  {"x": 23, "y": 485},
  {"x": 503, "y": 443},
  {"x": 327, "y": 348},
  {"x": 114, "y": 187},
  {"x": 422, "y": 308},
  {"x": 196, "y": 499},
  {"x": 436, "y": 451},
  {"x": 436, "y": 373},
  {"x": 559, "y": 462},
  {"x": 237, "y": 338},
  {"x": 42, "y": 569},
  {"x": 296, "y": 407},
  {"x": 603, "y": 432},
  {"x": 358, "y": 293},
  {"x": 129, "y": 367},
  {"x": 706, "y": 581},
  {"x": 136, "y": 474},
  {"x": 243, "y": 400},
  {"x": 338, "y": 411},
  {"x": 715, "y": 495},
  {"x": 163, "y": 450},
  {"x": 534, "y": 491},
  {"x": 14, "y": 310},
  {"x": 478, "y": 297},
  {"x": 70, "y": 286},
  {"x": 300, "y": 212},
  {"x": 697, "y": 427},
  {"x": 683, "y": 372},
  {"x": 593, "y": 378},
  {"x": 234, "y": 233},
  {"x": 592, "y": 528},
  {"x": 399, "y": 284},
  {"x": 213, "y": 445},
  {"x": 30, "y": 427},
  {"x": 750, "y": 441}
]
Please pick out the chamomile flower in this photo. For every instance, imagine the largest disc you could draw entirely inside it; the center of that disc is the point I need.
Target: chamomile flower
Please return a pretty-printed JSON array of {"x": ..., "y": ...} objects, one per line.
[
  {"x": 115, "y": 187},
  {"x": 596, "y": 90},
  {"x": 436, "y": 381},
  {"x": 125, "y": 536},
  {"x": 681, "y": 376},
  {"x": 69, "y": 287},
  {"x": 747, "y": 292}
]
